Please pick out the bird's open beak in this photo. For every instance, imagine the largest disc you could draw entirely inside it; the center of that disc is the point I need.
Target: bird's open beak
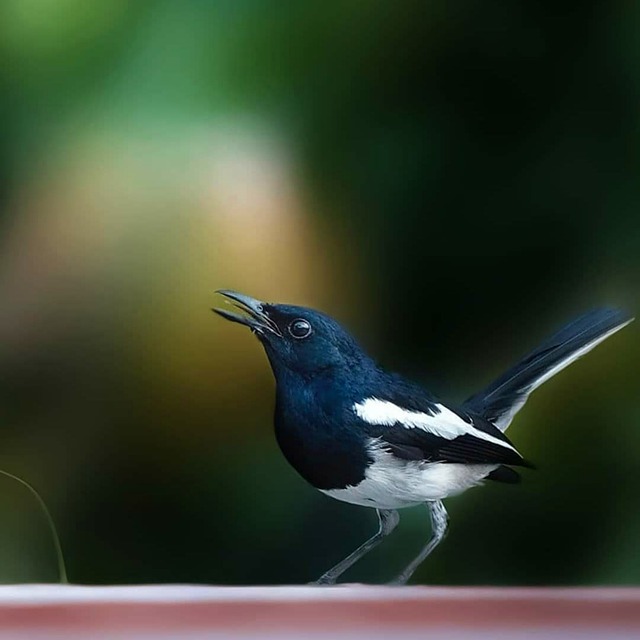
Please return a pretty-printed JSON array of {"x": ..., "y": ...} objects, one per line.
[{"x": 255, "y": 317}]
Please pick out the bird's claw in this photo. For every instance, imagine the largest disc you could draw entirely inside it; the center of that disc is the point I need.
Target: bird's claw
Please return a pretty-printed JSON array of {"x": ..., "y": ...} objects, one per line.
[
  {"x": 398, "y": 581},
  {"x": 323, "y": 581}
]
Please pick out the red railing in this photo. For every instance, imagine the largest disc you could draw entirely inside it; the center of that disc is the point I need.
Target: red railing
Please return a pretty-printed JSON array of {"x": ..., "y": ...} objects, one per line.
[{"x": 349, "y": 611}]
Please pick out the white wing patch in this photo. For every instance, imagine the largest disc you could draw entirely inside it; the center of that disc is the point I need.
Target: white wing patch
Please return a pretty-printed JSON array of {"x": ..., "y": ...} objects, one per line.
[{"x": 444, "y": 424}]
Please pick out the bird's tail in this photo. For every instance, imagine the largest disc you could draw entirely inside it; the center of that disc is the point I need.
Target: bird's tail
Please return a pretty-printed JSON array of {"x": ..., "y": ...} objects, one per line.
[{"x": 503, "y": 398}]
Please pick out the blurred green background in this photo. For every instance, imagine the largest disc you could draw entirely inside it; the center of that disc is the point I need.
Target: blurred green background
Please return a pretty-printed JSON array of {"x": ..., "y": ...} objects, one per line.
[{"x": 452, "y": 180}]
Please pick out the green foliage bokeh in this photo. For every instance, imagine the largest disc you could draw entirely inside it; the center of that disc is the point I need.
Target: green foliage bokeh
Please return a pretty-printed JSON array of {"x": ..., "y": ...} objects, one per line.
[{"x": 453, "y": 180}]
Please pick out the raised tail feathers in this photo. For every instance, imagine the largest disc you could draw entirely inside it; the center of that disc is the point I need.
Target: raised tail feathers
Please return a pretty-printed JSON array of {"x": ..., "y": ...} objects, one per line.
[{"x": 503, "y": 398}]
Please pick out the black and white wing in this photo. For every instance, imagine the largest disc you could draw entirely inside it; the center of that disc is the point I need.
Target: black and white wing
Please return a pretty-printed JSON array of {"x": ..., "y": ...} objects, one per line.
[
  {"x": 433, "y": 432},
  {"x": 502, "y": 399}
]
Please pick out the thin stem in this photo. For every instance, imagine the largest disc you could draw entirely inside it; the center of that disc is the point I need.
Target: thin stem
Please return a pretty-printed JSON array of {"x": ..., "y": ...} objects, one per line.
[{"x": 62, "y": 570}]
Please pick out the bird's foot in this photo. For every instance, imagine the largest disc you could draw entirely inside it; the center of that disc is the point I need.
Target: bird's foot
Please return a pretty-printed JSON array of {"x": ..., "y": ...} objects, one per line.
[
  {"x": 399, "y": 581},
  {"x": 324, "y": 580}
]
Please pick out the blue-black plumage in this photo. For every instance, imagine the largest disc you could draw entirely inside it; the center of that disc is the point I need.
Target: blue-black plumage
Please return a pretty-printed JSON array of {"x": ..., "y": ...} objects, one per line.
[{"x": 369, "y": 437}]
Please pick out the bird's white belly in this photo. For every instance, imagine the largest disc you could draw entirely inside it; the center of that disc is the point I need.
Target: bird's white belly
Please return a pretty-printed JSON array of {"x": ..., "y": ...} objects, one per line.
[{"x": 391, "y": 483}]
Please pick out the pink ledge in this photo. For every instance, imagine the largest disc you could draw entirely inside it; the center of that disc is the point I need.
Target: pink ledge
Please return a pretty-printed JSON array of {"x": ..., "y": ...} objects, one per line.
[{"x": 347, "y": 611}]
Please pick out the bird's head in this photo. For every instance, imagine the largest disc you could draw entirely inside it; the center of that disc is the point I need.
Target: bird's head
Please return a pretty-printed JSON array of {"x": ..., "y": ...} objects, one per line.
[{"x": 296, "y": 339}]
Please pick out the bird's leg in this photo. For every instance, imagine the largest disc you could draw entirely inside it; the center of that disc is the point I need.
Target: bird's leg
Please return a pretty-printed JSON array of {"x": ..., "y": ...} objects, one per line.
[
  {"x": 388, "y": 521},
  {"x": 439, "y": 523}
]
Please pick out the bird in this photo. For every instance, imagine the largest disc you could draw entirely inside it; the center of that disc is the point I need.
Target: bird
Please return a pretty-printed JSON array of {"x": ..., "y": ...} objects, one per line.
[{"x": 373, "y": 438}]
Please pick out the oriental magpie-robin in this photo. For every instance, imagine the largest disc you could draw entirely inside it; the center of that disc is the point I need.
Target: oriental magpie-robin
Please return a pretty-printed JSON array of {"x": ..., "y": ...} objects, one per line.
[{"x": 372, "y": 438}]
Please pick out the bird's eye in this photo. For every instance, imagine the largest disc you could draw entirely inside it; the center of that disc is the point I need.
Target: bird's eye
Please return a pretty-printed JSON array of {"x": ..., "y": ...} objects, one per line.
[{"x": 300, "y": 329}]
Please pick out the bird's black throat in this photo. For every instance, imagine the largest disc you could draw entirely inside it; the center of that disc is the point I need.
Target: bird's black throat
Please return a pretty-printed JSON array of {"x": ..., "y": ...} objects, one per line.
[{"x": 312, "y": 429}]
